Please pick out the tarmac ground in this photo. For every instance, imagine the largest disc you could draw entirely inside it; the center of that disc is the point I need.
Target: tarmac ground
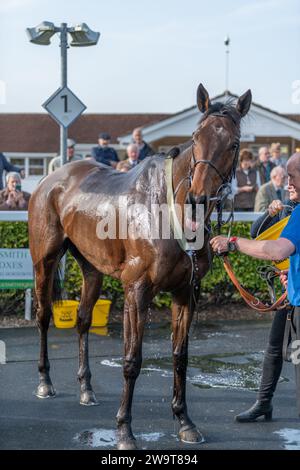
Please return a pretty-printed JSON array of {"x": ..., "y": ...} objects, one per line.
[{"x": 223, "y": 375}]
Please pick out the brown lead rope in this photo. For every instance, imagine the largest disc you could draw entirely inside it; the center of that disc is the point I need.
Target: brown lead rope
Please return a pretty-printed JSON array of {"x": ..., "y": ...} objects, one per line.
[{"x": 252, "y": 301}]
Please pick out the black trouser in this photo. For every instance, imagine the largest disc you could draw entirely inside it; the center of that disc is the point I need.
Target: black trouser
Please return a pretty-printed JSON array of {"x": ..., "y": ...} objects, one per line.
[{"x": 273, "y": 359}]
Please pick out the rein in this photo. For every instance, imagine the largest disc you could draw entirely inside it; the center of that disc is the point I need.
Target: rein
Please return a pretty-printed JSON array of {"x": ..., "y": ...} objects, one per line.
[{"x": 250, "y": 299}]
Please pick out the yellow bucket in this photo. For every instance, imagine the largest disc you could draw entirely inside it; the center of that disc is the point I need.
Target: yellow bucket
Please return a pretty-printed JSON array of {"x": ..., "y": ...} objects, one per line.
[
  {"x": 273, "y": 233},
  {"x": 101, "y": 312},
  {"x": 65, "y": 313}
]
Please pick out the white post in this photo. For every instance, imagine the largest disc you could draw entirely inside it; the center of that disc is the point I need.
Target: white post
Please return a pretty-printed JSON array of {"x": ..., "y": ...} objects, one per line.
[{"x": 28, "y": 304}]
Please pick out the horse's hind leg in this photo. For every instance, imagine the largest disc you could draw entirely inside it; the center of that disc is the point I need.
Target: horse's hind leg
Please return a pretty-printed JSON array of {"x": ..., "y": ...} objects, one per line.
[
  {"x": 44, "y": 281},
  {"x": 137, "y": 298},
  {"x": 181, "y": 321},
  {"x": 92, "y": 281}
]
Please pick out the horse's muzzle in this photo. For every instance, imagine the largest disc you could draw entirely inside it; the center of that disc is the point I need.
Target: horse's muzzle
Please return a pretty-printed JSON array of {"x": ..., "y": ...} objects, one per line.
[{"x": 194, "y": 200}]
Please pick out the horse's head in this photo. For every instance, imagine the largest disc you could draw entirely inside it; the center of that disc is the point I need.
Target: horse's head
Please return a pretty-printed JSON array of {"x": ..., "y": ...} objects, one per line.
[{"x": 215, "y": 146}]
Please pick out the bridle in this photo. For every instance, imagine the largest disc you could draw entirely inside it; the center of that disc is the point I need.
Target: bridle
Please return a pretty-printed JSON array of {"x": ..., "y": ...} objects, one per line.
[{"x": 224, "y": 190}]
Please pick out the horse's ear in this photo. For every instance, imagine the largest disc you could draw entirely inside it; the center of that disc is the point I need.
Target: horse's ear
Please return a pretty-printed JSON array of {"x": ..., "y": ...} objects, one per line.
[
  {"x": 203, "y": 100},
  {"x": 244, "y": 103}
]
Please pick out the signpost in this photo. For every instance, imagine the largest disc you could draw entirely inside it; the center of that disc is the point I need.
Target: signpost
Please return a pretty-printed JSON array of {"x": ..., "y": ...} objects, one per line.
[
  {"x": 16, "y": 272},
  {"x": 15, "y": 268},
  {"x": 64, "y": 106}
]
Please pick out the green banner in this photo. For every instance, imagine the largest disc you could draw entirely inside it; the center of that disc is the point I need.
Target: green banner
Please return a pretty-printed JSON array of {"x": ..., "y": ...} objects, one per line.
[{"x": 16, "y": 284}]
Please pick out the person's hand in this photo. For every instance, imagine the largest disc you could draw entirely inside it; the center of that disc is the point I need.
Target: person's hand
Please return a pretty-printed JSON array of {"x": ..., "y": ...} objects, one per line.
[
  {"x": 219, "y": 244},
  {"x": 246, "y": 189},
  {"x": 11, "y": 199},
  {"x": 22, "y": 174},
  {"x": 284, "y": 278},
  {"x": 275, "y": 207}
]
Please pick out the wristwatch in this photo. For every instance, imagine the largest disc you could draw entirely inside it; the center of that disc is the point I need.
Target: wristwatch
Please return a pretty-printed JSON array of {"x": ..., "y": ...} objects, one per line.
[{"x": 232, "y": 245}]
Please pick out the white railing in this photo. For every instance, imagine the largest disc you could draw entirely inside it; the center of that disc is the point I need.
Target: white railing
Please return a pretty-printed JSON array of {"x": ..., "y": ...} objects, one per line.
[
  {"x": 13, "y": 216},
  {"x": 22, "y": 216}
]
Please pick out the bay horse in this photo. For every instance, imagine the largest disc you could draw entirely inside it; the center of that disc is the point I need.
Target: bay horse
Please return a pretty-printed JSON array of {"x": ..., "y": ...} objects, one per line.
[{"x": 63, "y": 215}]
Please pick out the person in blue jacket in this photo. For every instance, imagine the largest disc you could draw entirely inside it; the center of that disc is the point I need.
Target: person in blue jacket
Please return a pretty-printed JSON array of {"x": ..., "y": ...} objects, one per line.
[
  {"x": 103, "y": 153},
  {"x": 288, "y": 245}
]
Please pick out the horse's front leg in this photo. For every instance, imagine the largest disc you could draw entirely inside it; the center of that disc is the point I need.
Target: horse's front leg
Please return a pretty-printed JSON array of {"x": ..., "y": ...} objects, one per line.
[
  {"x": 137, "y": 299},
  {"x": 181, "y": 321}
]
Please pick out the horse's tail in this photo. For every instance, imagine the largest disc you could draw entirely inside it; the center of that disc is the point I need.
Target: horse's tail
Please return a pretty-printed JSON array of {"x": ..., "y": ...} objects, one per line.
[
  {"x": 57, "y": 286},
  {"x": 57, "y": 289}
]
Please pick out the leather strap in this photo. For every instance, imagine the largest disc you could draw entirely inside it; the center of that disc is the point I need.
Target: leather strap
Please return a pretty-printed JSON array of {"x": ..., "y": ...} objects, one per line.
[
  {"x": 287, "y": 338},
  {"x": 250, "y": 300},
  {"x": 174, "y": 222}
]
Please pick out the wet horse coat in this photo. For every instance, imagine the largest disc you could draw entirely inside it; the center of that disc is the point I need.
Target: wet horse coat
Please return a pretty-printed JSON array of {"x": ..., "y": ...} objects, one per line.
[{"x": 64, "y": 214}]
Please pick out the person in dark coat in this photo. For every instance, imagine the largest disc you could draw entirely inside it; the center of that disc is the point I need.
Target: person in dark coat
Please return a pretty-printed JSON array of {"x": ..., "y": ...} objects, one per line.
[
  {"x": 265, "y": 166},
  {"x": 245, "y": 183},
  {"x": 5, "y": 165},
  {"x": 144, "y": 149},
  {"x": 103, "y": 153}
]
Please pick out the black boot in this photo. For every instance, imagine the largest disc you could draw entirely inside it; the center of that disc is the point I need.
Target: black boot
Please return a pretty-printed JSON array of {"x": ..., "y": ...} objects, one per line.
[{"x": 260, "y": 408}]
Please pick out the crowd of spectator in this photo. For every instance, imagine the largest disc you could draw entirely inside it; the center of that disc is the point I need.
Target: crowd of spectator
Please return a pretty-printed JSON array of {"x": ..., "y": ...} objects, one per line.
[
  {"x": 12, "y": 197},
  {"x": 260, "y": 180},
  {"x": 257, "y": 183}
]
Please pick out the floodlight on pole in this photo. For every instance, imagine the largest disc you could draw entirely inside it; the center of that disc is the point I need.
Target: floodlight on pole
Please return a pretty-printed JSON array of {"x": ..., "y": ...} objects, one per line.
[
  {"x": 42, "y": 33},
  {"x": 81, "y": 36}
]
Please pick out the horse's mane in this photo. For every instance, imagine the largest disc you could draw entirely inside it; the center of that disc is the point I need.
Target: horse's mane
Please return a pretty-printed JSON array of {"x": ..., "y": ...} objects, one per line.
[{"x": 227, "y": 109}]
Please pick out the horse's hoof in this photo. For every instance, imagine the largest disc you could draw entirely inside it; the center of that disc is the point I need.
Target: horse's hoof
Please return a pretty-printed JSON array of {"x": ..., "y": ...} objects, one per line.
[
  {"x": 191, "y": 436},
  {"x": 129, "y": 444},
  {"x": 88, "y": 398},
  {"x": 45, "y": 391}
]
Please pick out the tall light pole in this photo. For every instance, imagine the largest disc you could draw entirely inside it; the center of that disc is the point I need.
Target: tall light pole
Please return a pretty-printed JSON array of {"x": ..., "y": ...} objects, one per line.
[
  {"x": 227, "y": 43},
  {"x": 81, "y": 36},
  {"x": 63, "y": 57}
]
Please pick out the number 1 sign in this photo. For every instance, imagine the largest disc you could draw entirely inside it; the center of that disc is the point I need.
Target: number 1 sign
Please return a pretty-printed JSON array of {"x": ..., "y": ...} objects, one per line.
[{"x": 64, "y": 106}]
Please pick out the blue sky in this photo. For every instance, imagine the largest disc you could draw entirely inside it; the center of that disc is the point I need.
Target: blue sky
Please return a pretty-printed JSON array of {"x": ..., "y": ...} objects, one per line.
[{"x": 152, "y": 54}]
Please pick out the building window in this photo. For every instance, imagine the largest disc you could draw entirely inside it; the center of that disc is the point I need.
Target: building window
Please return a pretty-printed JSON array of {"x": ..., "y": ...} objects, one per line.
[
  {"x": 18, "y": 162},
  {"x": 36, "y": 166}
]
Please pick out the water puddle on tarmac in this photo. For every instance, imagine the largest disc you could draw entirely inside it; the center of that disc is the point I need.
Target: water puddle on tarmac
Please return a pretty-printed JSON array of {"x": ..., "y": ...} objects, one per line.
[
  {"x": 240, "y": 371},
  {"x": 291, "y": 438},
  {"x": 112, "y": 362},
  {"x": 96, "y": 438}
]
